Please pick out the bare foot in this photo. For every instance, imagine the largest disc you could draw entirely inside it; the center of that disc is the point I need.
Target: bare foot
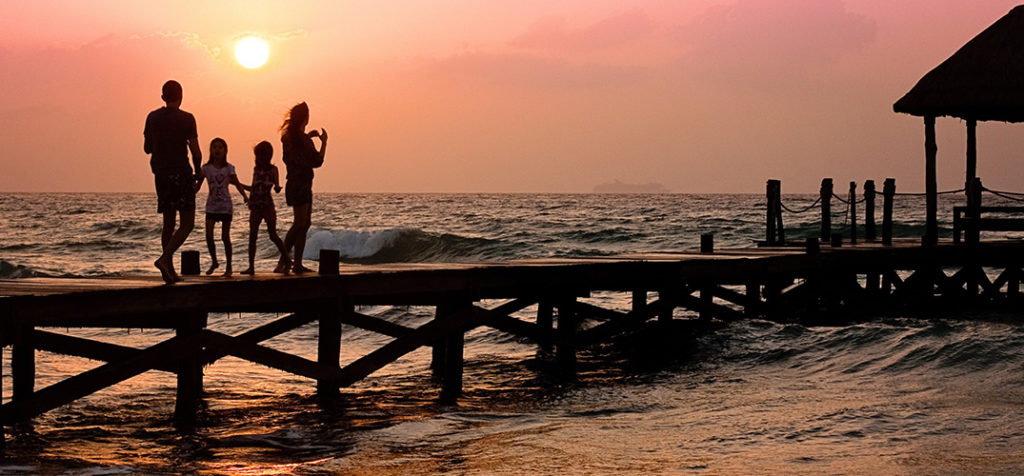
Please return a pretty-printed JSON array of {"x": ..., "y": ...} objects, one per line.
[
  {"x": 300, "y": 269},
  {"x": 282, "y": 265},
  {"x": 227, "y": 273},
  {"x": 166, "y": 270},
  {"x": 248, "y": 271},
  {"x": 212, "y": 267}
]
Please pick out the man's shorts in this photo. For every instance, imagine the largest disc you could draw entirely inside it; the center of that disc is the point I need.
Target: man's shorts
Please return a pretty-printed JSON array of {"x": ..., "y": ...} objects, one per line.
[{"x": 175, "y": 192}]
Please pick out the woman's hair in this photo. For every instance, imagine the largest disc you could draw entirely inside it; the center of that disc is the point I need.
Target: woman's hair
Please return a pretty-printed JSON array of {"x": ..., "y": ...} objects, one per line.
[
  {"x": 223, "y": 142},
  {"x": 296, "y": 119},
  {"x": 263, "y": 152}
]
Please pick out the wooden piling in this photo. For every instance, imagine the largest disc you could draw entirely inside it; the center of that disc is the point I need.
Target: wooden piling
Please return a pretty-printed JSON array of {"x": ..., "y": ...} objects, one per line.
[
  {"x": 190, "y": 372},
  {"x": 453, "y": 353},
  {"x": 888, "y": 195},
  {"x": 853, "y": 213},
  {"x": 826, "y": 209},
  {"x": 666, "y": 297},
  {"x": 23, "y": 364},
  {"x": 869, "y": 210},
  {"x": 973, "y": 233},
  {"x": 545, "y": 322},
  {"x": 565, "y": 349},
  {"x": 329, "y": 342}
]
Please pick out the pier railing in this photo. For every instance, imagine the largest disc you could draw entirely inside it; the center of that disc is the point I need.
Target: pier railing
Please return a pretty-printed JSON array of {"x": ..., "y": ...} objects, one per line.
[{"x": 969, "y": 220}]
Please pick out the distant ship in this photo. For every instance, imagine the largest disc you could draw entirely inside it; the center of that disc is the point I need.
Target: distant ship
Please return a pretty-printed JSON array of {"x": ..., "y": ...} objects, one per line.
[{"x": 619, "y": 187}]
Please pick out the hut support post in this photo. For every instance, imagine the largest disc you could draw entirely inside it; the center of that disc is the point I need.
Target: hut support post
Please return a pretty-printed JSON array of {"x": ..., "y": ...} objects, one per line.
[
  {"x": 853, "y": 213},
  {"x": 869, "y": 210},
  {"x": 888, "y": 195},
  {"x": 931, "y": 187},
  {"x": 190, "y": 372},
  {"x": 826, "y": 210},
  {"x": 972, "y": 150}
]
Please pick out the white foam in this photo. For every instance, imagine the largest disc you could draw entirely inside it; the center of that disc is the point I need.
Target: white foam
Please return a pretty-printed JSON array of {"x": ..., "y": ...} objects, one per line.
[{"x": 351, "y": 243}]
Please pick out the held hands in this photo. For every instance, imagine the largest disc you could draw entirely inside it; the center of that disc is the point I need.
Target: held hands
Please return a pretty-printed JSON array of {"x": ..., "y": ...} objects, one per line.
[
  {"x": 277, "y": 189},
  {"x": 322, "y": 134}
]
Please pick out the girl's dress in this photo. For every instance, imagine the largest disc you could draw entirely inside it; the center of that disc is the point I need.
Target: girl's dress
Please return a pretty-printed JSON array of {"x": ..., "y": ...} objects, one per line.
[
  {"x": 261, "y": 204},
  {"x": 218, "y": 203}
]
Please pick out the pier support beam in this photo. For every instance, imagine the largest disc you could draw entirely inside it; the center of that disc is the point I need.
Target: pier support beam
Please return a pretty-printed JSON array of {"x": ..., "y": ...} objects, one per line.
[
  {"x": 23, "y": 365},
  {"x": 566, "y": 340},
  {"x": 451, "y": 353},
  {"x": 545, "y": 324},
  {"x": 190, "y": 372},
  {"x": 329, "y": 343}
]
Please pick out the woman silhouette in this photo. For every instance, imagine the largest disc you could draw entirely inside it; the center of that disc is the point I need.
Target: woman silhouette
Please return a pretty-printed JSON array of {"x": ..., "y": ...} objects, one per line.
[{"x": 300, "y": 158}]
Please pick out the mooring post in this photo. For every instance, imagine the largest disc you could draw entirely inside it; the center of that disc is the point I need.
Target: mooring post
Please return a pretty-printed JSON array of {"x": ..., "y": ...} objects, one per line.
[
  {"x": 190, "y": 263},
  {"x": 774, "y": 232},
  {"x": 565, "y": 349},
  {"x": 190, "y": 371},
  {"x": 888, "y": 195},
  {"x": 328, "y": 351},
  {"x": 707, "y": 243},
  {"x": 23, "y": 364},
  {"x": 869, "y": 210},
  {"x": 853, "y": 213},
  {"x": 826, "y": 210}
]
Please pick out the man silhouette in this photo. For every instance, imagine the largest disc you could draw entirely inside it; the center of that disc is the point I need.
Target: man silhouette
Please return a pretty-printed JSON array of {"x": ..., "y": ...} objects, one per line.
[{"x": 170, "y": 134}]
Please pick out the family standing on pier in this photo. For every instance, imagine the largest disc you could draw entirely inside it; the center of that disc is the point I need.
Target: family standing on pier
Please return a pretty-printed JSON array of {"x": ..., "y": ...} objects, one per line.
[{"x": 170, "y": 135}]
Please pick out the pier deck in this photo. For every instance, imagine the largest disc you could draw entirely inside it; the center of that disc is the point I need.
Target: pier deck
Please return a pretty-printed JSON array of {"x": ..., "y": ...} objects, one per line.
[{"x": 775, "y": 282}]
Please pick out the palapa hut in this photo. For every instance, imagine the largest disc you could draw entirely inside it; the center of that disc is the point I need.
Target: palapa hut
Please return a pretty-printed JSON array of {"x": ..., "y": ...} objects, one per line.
[{"x": 982, "y": 81}]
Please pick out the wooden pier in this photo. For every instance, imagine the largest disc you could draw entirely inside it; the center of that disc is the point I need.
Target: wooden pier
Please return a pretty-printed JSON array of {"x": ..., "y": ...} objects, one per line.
[{"x": 814, "y": 283}]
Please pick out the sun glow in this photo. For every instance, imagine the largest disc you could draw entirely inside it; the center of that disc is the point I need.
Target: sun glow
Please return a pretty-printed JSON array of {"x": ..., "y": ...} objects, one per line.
[{"x": 252, "y": 52}]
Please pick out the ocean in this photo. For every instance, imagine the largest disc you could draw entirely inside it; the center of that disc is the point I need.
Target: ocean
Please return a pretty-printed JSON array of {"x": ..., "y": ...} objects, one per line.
[{"x": 897, "y": 394}]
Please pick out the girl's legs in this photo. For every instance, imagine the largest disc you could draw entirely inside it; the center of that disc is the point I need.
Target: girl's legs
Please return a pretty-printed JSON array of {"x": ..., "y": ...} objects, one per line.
[
  {"x": 254, "y": 229},
  {"x": 210, "y": 245},
  {"x": 303, "y": 213},
  {"x": 272, "y": 231},
  {"x": 225, "y": 234}
]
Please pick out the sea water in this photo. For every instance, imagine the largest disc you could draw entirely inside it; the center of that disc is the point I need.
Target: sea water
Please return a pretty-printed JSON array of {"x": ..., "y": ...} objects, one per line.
[{"x": 934, "y": 394}]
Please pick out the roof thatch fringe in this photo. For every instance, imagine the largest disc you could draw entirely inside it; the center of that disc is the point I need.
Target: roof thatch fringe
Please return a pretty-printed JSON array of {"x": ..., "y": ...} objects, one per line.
[{"x": 983, "y": 80}]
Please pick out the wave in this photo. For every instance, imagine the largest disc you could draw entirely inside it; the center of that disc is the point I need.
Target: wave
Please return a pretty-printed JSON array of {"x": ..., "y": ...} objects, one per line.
[
  {"x": 394, "y": 245},
  {"x": 10, "y": 270}
]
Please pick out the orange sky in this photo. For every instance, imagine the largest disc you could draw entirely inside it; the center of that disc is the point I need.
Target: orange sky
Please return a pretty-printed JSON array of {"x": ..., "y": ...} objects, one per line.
[{"x": 499, "y": 96}]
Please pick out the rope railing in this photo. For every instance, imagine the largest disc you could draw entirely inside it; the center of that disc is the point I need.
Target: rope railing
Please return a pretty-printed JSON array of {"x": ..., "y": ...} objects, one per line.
[
  {"x": 803, "y": 210},
  {"x": 1016, "y": 197},
  {"x": 922, "y": 194},
  {"x": 841, "y": 199}
]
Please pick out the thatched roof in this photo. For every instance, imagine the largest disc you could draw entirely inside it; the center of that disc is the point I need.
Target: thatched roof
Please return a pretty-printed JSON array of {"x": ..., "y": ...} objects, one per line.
[{"x": 984, "y": 80}]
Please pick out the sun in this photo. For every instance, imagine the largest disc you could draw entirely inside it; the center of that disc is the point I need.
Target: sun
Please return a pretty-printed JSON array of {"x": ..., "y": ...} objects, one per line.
[{"x": 251, "y": 52}]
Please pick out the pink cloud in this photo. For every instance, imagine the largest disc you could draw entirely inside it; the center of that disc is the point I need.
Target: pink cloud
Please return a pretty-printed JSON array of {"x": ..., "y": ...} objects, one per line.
[
  {"x": 554, "y": 33},
  {"x": 764, "y": 40}
]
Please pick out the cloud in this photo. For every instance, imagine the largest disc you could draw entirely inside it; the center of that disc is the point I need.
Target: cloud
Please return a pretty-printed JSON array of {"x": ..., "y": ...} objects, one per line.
[
  {"x": 766, "y": 39},
  {"x": 554, "y": 33}
]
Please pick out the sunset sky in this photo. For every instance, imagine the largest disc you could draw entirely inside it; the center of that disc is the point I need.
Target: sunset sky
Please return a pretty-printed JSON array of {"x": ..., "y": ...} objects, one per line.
[{"x": 499, "y": 96}]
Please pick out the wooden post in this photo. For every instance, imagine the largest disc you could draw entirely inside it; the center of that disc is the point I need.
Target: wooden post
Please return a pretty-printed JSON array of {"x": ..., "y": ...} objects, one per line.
[
  {"x": 973, "y": 233},
  {"x": 328, "y": 351},
  {"x": 972, "y": 150},
  {"x": 853, "y": 213},
  {"x": 329, "y": 262},
  {"x": 438, "y": 352},
  {"x": 888, "y": 195},
  {"x": 826, "y": 210},
  {"x": 545, "y": 322},
  {"x": 707, "y": 243},
  {"x": 23, "y": 364},
  {"x": 639, "y": 299},
  {"x": 869, "y": 210},
  {"x": 665, "y": 296},
  {"x": 566, "y": 345},
  {"x": 774, "y": 232},
  {"x": 753, "y": 301},
  {"x": 812, "y": 246},
  {"x": 931, "y": 186},
  {"x": 455, "y": 342},
  {"x": 190, "y": 263},
  {"x": 190, "y": 373}
]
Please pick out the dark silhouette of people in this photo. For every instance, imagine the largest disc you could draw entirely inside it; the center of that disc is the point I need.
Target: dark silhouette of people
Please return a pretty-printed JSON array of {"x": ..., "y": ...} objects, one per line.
[
  {"x": 300, "y": 158},
  {"x": 170, "y": 135}
]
